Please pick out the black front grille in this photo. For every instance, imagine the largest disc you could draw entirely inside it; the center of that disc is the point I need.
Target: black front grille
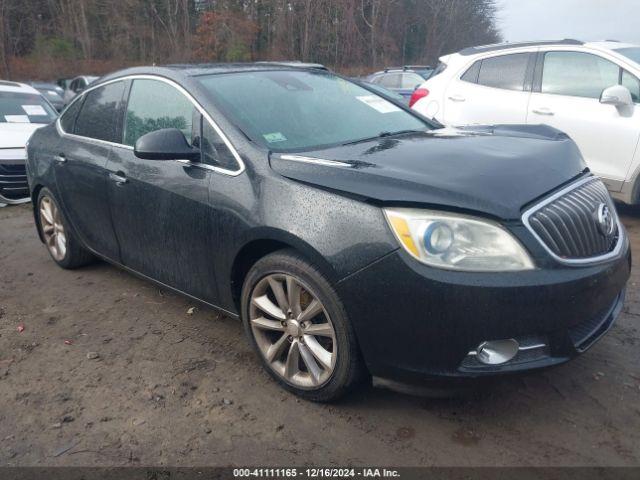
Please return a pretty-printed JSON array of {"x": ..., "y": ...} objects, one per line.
[
  {"x": 13, "y": 181},
  {"x": 570, "y": 225}
]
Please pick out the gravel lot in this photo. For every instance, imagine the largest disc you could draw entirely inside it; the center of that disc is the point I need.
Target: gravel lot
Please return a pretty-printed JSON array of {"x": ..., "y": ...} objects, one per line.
[{"x": 109, "y": 370}]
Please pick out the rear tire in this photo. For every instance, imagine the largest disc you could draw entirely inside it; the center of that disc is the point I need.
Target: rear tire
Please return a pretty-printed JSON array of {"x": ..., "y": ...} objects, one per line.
[
  {"x": 299, "y": 328},
  {"x": 62, "y": 244}
]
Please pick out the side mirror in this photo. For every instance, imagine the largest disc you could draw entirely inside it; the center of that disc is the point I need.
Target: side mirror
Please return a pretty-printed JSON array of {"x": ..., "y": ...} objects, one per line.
[
  {"x": 618, "y": 96},
  {"x": 165, "y": 144}
]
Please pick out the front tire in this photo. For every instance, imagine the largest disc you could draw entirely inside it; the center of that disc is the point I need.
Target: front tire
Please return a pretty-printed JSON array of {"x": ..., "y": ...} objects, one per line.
[
  {"x": 62, "y": 244},
  {"x": 297, "y": 324}
]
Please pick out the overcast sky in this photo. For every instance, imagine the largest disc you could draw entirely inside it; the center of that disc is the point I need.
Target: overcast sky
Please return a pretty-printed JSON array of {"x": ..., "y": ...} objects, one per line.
[{"x": 580, "y": 19}]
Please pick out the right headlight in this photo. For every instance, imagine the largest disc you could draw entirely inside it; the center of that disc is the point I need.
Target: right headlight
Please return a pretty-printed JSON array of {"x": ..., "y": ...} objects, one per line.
[{"x": 457, "y": 242}]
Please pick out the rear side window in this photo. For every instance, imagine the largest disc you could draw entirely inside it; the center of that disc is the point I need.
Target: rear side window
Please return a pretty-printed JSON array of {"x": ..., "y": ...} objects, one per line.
[
  {"x": 68, "y": 118},
  {"x": 441, "y": 67},
  {"x": 577, "y": 74},
  {"x": 146, "y": 114},
  {"x": 99, "y": 115},
  {"x": 506, "y": 71},
  {"x": 471, "y": 75}
]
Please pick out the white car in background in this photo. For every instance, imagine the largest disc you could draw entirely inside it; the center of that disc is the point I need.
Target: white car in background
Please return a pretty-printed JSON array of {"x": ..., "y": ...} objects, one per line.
[
  {"x": 589, "y": 90},
  {"x": 22, "y": 111}
]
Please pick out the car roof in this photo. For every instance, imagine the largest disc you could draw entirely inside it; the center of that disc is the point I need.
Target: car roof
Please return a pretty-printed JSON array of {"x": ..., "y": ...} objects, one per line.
[
  {"x": 294, "y": 63},
  {"x": 509, "y": 45},
  {"x": 180, "y": 71},
  {"x": 193, "y": 70},
  {"x": 15, "y": 87},
  {"x": 602, "y": 45},
  {"x": 398, "y": 70},
  {"x": 610, "y": 45}
]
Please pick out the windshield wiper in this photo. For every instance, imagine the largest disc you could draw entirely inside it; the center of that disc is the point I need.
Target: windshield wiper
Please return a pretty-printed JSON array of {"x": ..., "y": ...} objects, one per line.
[{"x": 383, "y": 135}]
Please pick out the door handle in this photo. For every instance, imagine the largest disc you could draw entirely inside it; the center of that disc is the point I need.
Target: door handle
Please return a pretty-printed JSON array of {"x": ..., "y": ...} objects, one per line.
[
  {"x": 457, "y": 98},
  {"x": 118, "y": 177},
  {"x": 543, "y": 111},
  {"x": 60, "y": 158}
]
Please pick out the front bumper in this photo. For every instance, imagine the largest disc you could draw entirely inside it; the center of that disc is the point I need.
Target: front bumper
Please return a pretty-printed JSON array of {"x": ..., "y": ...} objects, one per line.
[{"x": 414, "y": 322}]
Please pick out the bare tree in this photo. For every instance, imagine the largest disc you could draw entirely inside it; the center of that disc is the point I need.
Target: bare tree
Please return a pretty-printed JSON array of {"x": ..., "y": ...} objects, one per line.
[{"x": 41, "y": 38}]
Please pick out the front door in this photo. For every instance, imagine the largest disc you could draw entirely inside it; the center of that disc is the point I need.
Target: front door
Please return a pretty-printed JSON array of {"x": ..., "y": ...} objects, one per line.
[
  {"x": 568, "y": 98},
  {"x": 160, "y": 209}
]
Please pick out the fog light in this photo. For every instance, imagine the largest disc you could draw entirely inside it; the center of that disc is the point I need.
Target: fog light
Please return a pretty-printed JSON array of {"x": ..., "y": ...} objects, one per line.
[{"x": 496, "y": 352}]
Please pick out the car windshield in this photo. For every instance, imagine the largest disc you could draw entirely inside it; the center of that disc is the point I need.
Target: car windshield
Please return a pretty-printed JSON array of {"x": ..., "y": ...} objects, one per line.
[
  {"x": 25, "y": 108},
  {"x": 297, "y": 110},
  {"x": 632, "y": 53}
]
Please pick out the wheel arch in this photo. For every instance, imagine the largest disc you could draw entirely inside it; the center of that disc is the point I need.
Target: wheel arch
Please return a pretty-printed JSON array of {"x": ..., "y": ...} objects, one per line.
[
  {"x": 35, "y": 192},
  {"x": 265, "y": 242}
]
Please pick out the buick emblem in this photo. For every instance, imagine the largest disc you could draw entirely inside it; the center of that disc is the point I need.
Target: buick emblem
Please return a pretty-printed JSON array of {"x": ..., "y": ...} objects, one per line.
[{"x": 606, "y": 223}]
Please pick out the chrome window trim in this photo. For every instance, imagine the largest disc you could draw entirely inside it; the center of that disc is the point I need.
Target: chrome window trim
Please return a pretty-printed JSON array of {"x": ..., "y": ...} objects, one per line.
[
  {"x": 203, "y": 112},
  {"x": 574, "y": 261},
  {"x": 89, "y": 139},
  {"x": 316, "y": 161}
]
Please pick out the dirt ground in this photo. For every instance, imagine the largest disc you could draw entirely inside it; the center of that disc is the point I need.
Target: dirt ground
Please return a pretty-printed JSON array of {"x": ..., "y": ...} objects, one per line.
[{"x": 179, "y": 389}]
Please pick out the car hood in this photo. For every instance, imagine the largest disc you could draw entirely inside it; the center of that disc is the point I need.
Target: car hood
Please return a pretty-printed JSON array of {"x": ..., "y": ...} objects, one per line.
[
  {"x": 15, "y": 135},
  {"x": 492, "y": 169}
]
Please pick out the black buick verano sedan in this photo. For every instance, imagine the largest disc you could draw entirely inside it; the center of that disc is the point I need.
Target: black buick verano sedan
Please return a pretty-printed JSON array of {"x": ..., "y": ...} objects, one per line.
[{"x": 350, "y": 235}]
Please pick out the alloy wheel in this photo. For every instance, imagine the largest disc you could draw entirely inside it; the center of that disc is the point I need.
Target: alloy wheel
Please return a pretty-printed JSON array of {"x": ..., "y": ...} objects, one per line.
[
  {"x": 52, "y": 228},
  {"x": 293, "y": 331}
]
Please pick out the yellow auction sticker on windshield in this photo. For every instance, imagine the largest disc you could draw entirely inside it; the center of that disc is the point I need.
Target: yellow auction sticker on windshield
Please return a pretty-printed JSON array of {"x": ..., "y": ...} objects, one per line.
[{"x": 274, "y": 137}]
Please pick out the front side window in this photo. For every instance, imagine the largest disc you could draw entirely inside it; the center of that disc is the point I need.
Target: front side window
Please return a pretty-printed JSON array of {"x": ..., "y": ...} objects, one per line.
[
  {"x": 98, "y": 117},
  {"x": 300, "y": 110},
  {"x": 577, "y": 74},
  {"x": 631, "y": 82},
  {"x": 154, "y": 105},
  {"x": 25, "y": 108},
  {"x": 506, "y": 71}
]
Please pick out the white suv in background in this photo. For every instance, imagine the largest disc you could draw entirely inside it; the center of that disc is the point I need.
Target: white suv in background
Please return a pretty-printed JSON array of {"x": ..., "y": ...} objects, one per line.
[{"x": 590, "y": 91}]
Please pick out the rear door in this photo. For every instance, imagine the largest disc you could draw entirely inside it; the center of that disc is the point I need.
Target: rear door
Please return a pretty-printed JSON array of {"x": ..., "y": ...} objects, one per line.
[
  {"x": 160, "y": 209},
  {"x": 88, "y": 129},
  {"x": 492, "y": 90},
  {"x": 567, "y": 96}
]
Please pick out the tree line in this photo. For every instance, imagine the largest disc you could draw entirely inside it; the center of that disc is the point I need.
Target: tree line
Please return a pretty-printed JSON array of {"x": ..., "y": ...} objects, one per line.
[{"x": 51, "y": 38}]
